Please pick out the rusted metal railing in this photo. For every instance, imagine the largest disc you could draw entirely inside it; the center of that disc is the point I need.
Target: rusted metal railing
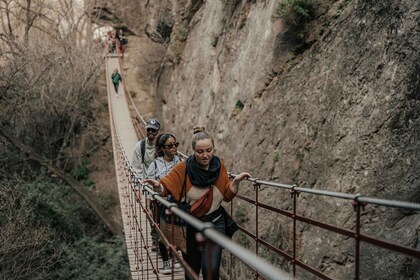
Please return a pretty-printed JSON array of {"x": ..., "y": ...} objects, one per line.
[{"x": 358, "y": 202}]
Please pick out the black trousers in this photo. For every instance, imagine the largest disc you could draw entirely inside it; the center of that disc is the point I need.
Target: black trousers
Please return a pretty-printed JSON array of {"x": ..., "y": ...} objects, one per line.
[
  {"x": 205, "y": 257},
  {"x": 156, "y": 214},
  {"x": 116, "y": 87}
]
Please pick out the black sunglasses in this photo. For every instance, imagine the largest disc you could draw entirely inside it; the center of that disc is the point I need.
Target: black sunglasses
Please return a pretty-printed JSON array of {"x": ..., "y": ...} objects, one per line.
[
  {"x": 151, "y": 130},
  {"x": 170, "y": 146}
]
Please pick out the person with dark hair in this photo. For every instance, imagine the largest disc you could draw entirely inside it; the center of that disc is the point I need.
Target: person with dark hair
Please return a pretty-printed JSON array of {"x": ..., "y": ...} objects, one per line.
[
  {"x": 123, "y": 41},
  {"x": 207, "y": 185},
  {"x": 112, "y": 42},
  {"x": 165, "y": 159}
]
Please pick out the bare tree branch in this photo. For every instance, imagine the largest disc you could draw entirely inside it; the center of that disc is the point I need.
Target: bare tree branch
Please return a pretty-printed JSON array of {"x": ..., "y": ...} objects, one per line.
[{"x": 83, "y": 193}]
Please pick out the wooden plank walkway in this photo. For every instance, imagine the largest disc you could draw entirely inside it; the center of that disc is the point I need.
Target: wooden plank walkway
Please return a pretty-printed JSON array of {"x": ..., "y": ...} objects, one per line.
[{"x": 140, "y": 263}]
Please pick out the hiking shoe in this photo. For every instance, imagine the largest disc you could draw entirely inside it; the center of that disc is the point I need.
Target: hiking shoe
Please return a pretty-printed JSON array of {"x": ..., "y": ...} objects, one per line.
[
  {"x": 177, "y": 265},
  {"x": 166, "y": 269}
]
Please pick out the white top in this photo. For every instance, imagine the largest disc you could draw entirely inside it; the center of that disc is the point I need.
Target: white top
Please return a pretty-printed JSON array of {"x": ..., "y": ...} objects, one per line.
[{"x": 160, "y": 168}]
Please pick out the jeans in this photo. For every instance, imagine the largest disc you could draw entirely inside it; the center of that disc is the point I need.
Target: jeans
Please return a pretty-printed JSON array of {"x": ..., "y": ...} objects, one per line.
[
  {"x": 156, "y": 215},
  {"x": 198, "y": 254},
  {"x": 156, "y": 210}
]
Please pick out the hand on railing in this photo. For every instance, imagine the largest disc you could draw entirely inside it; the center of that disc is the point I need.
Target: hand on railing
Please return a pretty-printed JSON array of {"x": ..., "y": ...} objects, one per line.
[
  {"x": 238, "y": 178},
  {"x": 157, "y": 186}
]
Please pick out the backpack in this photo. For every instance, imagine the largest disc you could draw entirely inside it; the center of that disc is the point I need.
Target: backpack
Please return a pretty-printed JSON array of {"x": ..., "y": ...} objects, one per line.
[{"x": 143, "y": 148}]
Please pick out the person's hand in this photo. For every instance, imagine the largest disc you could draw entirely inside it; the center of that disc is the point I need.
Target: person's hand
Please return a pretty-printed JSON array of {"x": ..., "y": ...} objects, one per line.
[
  {"x": 235, "y": 182},
  {"x": 240, "y": 177},
  {"x": 153, "y": 182},
  {"x": 157, "y": 187}
]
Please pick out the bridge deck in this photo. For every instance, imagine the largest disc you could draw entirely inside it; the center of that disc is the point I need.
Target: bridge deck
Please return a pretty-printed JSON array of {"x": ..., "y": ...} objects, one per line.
[{"x": 128, "y": 138}]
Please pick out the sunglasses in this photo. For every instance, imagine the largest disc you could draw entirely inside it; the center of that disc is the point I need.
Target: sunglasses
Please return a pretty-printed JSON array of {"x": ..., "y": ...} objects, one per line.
[
  {"x": 170, "y": 146},
  {"x": 151, "y": 130}
]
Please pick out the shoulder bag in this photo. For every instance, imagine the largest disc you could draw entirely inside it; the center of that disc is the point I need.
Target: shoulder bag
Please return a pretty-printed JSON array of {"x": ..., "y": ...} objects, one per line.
[{"x": 176, "y": 233}]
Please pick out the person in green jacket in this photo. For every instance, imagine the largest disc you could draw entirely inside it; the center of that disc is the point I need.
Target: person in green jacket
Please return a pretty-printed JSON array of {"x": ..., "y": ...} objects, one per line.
[{"x": 116, "y": 79}]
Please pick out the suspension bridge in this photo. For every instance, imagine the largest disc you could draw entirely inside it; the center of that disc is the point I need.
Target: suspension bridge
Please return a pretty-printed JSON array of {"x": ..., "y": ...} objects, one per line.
[{"x": 128, "y": 127}]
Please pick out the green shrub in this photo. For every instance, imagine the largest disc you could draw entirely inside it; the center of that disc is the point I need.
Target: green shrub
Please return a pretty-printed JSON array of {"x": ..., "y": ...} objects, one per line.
[
  {"x": 27, "y": 246},
  {"x": 341, "y": 7},
  {"x": 296, "y": 12},
  {"x": 88, "y": 183},
  {"x": 80, "y": 170},
  {"x": 182, "y": 34},
  {"x": 276, "y": 155},
  {"x": 239, "y": 105},
  {"x": 89, "y": 258},
  {"x": 292, "y": 63},
  {"x": 60, "y": 208},
  {"x": 86, "y": 250}
]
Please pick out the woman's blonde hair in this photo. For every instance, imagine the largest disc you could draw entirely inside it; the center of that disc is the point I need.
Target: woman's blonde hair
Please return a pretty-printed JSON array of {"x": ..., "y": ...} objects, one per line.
[{"x": 200, "y": 133}]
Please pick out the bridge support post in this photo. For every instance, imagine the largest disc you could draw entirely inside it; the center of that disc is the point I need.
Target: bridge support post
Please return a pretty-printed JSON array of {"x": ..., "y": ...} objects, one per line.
[
  {"x": 358, "y": 206},
  {"x": 257, "y": 237},
  {"x": 294, "y": 194}
]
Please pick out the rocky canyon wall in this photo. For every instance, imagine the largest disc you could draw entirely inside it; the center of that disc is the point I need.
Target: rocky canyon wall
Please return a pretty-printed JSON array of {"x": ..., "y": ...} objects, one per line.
[{"x": 333, "y": 104}]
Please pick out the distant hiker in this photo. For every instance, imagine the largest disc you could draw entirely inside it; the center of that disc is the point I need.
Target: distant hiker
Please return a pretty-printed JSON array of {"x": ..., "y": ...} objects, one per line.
[
  {"x": 116, "y": 79},
  {"x": 113, "y": 42},
  {"x": 123, "y": 41},
  {"x": 109, "y": 42},
  {"x": 104, "y": 40}
]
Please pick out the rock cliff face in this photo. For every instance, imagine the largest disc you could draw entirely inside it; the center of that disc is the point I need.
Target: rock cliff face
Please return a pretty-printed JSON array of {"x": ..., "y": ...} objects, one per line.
[{"x": 332, "y": 104}]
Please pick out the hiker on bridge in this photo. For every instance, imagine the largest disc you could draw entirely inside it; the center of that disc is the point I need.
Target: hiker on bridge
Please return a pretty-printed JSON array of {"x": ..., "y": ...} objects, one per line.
[
  {"x": 116, "y": 79},
  {"x": 143, "y": 156},
  {"x": 207, "y": 185},
  {"x": 123, "y": 41},
  {"x": 112, "y": 41},
  {"x": 166, "y": 158},
  {"x": 144, "y": 150}
]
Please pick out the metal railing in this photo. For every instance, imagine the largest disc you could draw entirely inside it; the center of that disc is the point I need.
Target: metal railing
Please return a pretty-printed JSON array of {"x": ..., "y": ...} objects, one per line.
[{"x": 358, "y": 202}]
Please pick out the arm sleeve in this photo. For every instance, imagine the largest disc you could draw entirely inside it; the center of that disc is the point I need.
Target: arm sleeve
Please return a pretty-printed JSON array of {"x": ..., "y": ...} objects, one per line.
[
  {"x": 228, "y": 195},
  {"x": 150, "y": 174},
  {"x": 174, "y": 181},
  {"x": 136, "y": 161}
]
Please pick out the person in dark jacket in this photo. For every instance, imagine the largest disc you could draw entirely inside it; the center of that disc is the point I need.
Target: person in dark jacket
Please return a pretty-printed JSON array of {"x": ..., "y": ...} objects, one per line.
[
  {"x": 116, "y": 79},
  {"x": 123, "y": 42}
]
